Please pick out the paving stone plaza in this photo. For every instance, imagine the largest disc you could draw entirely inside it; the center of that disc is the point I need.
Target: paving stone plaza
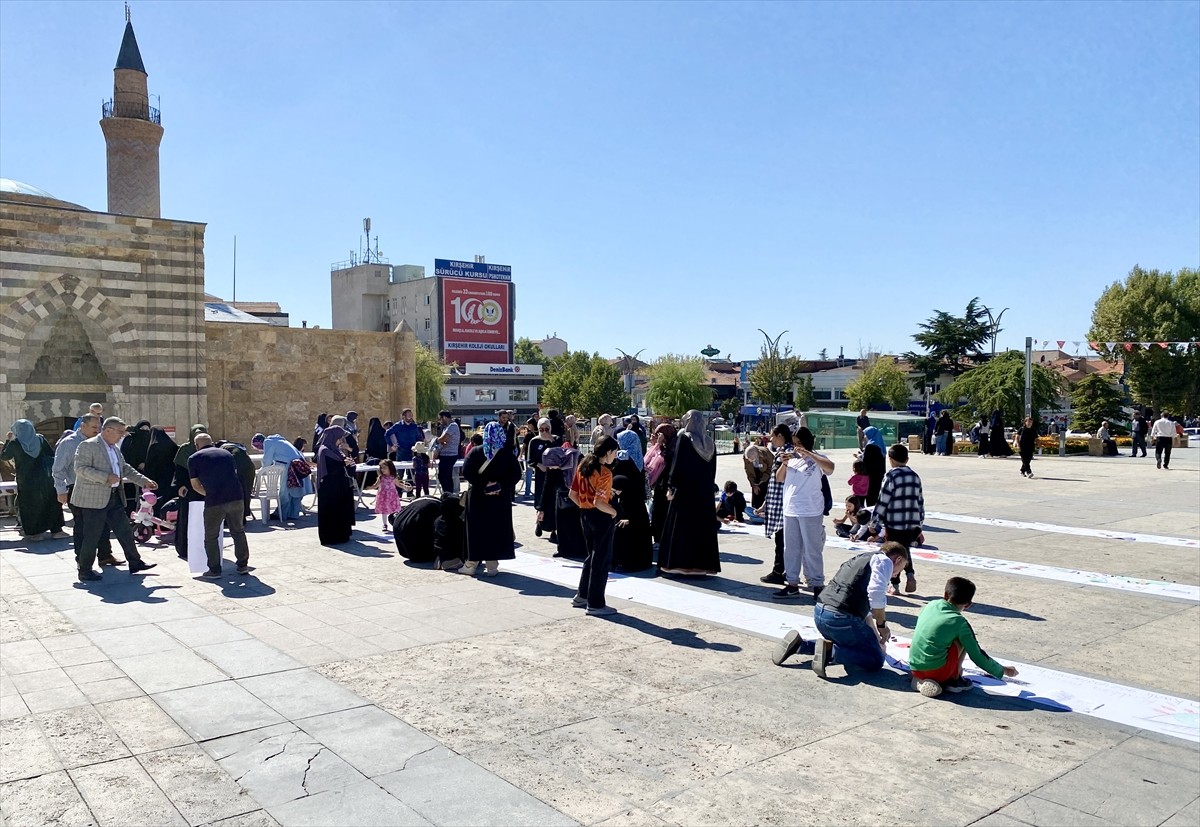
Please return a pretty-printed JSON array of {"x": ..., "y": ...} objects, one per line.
[{"x": 346, "y": 686}]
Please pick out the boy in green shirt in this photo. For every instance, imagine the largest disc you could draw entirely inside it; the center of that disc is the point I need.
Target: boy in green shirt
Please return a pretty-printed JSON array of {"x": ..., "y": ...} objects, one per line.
[{"x": 942, "y": 639}]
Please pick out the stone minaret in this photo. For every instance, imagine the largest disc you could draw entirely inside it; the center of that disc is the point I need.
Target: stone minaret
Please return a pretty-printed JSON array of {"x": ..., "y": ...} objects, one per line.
[{"x": 132, "y": 133}]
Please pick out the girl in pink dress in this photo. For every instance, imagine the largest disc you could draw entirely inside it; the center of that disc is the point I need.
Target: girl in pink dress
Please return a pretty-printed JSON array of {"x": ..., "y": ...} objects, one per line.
[{"x": 387, "y": 494}]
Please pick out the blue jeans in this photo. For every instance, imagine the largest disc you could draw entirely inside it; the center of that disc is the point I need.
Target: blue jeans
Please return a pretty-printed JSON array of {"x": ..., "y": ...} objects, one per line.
[
  {"x": 529, "y": 480},
  {"x": 940, "y": 442},
  {"x": 854, "y": 642}
]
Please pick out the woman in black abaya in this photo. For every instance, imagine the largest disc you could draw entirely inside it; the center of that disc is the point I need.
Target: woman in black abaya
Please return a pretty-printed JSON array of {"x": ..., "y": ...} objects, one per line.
[
  {"x": 659, "y": 459},
  {"x": 632, "y": 545},
  {"x": 997, "y": 444},
  {"x": 335, "y": 498},
  {"x": 874, "y": 458},
  {"x": 689, "y": 540},
  {"x": 492, "y": 470}
]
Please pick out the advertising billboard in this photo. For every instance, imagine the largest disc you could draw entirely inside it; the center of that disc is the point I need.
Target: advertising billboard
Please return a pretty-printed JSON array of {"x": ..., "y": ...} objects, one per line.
[
  {"x": 471, "y": 270},
  {"x": 476, "y": 321}
]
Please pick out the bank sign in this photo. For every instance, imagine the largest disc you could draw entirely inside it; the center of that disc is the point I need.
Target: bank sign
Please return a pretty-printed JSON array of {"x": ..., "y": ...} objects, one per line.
[
  {"x": 476, "y": 321},
  {"x": 471, "y": 270},
  {"x": 475, "y": 368}
]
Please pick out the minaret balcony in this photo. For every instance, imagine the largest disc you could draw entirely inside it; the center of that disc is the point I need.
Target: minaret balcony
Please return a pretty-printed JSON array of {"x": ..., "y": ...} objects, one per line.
[{"x": 139, "y": 110}]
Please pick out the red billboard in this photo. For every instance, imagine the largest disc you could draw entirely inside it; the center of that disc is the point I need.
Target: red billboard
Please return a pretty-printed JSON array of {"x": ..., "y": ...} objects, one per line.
[{"x": 476, "y": 321}]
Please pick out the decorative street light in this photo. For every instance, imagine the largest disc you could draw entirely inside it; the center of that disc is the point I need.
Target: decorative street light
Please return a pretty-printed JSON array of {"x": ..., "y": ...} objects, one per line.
[
  {"x": 628, "y": 369},
  {"x": 710, "y": 351},
  {"x": 994, "y": 325}
]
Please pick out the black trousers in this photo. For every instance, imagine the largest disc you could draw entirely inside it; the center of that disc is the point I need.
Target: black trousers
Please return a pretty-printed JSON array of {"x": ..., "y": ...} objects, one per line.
[
  {"x": 1162, "y": 450},
  {"x": 103, "y": 546},
  {"x": 598, "y": 530},
  {"x": 1139, "y": 441},
  {"x": 905, "y": 537},
  {"x": 445, "y": 474},
  {"x": 92, "y": 523},
  {"x": 778, "y": 567}
]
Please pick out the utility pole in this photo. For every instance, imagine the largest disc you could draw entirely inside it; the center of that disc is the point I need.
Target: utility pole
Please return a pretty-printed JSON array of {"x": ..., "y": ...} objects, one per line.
[{"x": 1029, "y": 376}]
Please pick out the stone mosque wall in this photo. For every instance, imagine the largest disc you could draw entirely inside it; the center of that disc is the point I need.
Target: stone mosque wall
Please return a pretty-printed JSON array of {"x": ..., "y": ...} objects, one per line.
[
  {"x": 278, "y": 379},
  {"x": 100, "y": 307}
]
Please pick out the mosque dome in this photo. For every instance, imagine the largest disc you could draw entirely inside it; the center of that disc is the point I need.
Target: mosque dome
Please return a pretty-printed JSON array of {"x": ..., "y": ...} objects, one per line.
[{"x": 22, "y": 193}]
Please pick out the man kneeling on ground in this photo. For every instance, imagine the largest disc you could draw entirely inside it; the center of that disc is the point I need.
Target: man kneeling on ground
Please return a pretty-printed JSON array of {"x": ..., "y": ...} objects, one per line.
[
  {"x": 851, "y": 614},
  {"x": 942, "y": 639}
]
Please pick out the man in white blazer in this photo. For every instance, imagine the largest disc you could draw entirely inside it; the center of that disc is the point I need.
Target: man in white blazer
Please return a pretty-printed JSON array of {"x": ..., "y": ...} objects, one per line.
[{"x": 99, "y": 498}]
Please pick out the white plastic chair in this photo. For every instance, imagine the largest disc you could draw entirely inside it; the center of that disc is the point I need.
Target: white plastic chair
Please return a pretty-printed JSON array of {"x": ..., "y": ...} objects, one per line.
[{"x": 267, "y": 482}]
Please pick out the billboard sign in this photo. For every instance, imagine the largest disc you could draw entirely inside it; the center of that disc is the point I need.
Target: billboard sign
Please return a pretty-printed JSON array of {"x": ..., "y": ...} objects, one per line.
[
  {"x": 471, "y": 270},
  {"x": 476, "y": 368},
  {"x": 476, "y": 321},
  {"x": 747, "y": 366}
]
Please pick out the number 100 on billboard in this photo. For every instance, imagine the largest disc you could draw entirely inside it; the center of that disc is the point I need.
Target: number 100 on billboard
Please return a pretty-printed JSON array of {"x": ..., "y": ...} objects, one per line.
[{"x": 477, "y": 319}]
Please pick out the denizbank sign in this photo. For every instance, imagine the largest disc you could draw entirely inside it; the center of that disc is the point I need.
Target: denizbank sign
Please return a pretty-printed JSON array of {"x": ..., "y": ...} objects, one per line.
[
  {"x": 471, "y": 270},
  {"x": 481, "y": 369}
]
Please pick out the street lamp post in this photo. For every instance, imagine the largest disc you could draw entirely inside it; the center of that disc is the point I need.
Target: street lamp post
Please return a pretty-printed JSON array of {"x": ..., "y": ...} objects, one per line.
[
  {"x": 994, "y": 325},
  {"x": 772, "y": 352}
]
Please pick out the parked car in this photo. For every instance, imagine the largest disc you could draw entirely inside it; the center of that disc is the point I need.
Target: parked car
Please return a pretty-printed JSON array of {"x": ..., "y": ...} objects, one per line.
[{"x": 1193, "y": 435}]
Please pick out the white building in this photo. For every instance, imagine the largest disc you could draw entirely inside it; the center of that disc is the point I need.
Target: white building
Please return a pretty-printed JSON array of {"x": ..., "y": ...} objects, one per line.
[
  {"x": 378, "y": 296},
  {"x": 480, "y": 390},
  {"x": 552, "y": 346}
]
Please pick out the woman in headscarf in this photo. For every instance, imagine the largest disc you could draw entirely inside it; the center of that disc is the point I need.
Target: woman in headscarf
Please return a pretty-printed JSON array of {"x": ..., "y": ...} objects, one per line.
[
  {"x": 874, "y": 457},
  {"x": 757, "y": 461},
  {"x": 351, "y": 426},
  {"x": 535, "y": 449},
  {"x": 376, "y": 442},
  {"x": 550, "y": 469},
  {"x": 689, "y": 540},
  {"x": 183, "y": 486},
  {"x": 570, "y": 430},
  {"x": 160, "y": 460},
  {"x": 322, "y": 424},
  {"x": 781, "y": 438},
  {"x": 997, "y": 443},
  {"x": 943, "y": 433},
  {"x": 492, "y": 472},
  {"x": 633, "y": 548},
  {"x": 37, "y": 503},
  {"x": 567, "y": 518},
  {"x": 133, "y": 450},
  {"x": 604, "y": 427},
  {"x": 658, "y": 463},
  {"x": 278, "y": 451},
  {"x": 335, "y": 498}
]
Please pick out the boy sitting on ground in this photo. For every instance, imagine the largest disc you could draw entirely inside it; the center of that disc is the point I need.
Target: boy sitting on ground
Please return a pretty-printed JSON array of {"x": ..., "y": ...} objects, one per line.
[
  {"x": 732, "y": 505},
  {"x": 941, "y": 640},
  {"x": 863, "y": 530}
]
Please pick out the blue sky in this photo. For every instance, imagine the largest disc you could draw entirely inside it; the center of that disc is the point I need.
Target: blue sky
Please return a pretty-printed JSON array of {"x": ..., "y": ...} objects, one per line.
[{"x": 659, "y": 176}]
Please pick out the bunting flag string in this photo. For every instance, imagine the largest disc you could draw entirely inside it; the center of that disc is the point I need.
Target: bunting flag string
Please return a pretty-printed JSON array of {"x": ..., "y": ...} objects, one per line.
[{"x": 1181, "y": 347}]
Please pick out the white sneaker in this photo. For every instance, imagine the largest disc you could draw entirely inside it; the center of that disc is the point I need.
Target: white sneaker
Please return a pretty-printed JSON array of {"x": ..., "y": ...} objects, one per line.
[
  {"x": 469, "y": 569},
  {"x": 821, "y": 657},
  {"x": 603, "y": 611},
  {"x": 579, "y": 602},
  {"x": 927, "y": 687}
]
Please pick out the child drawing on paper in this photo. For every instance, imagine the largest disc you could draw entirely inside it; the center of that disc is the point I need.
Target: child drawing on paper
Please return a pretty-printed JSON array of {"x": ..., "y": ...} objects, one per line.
[{"x": 943, "y": 639}]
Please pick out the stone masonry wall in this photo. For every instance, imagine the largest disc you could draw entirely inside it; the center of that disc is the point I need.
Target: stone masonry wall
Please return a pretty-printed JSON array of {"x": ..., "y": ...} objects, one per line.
[
  {"x": 278, "y": 379},
  {"x": 129, "y": 290}
]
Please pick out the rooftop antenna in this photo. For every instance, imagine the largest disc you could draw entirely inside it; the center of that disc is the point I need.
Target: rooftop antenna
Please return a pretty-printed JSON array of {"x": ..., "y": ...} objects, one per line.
[
  {"x": 367, "y": 233},
  {"x": 126, "y": 12},
  {"x": 235, "y": 268}
]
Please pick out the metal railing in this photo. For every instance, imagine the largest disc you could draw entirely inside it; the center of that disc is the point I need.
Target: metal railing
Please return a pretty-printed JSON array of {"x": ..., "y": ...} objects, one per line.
[{"x": 131, "y": 109}]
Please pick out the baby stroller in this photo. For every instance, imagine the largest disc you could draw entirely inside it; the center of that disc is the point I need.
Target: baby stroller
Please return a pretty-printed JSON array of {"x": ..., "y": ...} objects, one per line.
[{"x": 149, "y": 521}]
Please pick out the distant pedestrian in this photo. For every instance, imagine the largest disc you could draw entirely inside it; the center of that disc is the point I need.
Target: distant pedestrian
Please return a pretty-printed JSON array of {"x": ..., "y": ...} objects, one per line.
[
  {"x": 1138, "y": 429},
  {"x": 862, "y": 422},
  {"x": 1163, "y": 434},
  {"x": 214, "y": 475},
  {"x": 803, "y": 515},
  {"x": 943, "y": 433},
  {"x": 1026, "y": 442},
  {"x": 492, "y": 471}
]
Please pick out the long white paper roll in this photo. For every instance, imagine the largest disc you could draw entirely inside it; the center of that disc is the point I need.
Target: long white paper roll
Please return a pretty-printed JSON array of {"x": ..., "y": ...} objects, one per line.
[{"x": 197, "y": 560}]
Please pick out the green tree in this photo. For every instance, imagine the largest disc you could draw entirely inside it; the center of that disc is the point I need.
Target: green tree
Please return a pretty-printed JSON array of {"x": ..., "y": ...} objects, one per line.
[
  {"x": 953, "y": 344},
  {"x": 882, "y": 383},
  {"x": 677, "y": 385},
  {"x": 1000, "y": 383},
  {"x": 584, "y": 385},
  {"x": 730, "y": 408},
  {"x": 1151, "y": 306},
  {"x": 802, "y": 396},
  {"x": 602, "y": 391},
  {"x": 1093, "y": 400},
  {"x": 776, "y": 372},
  {"x": 526, "y": 352},
  {"x": 431, "y": 378}
]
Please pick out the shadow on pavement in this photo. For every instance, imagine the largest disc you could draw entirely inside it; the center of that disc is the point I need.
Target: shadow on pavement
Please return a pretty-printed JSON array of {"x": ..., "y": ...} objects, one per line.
[
  {"x": 360, "y": 549},
  {"x": 725, "y": 557},
  {"x": 675, "y": 636},
  {"x": 127, "y": 589}
]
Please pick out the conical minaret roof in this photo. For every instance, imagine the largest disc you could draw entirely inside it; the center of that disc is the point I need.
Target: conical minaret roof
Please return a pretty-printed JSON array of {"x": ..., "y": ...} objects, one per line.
[{"x": 130, "y": 57}]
